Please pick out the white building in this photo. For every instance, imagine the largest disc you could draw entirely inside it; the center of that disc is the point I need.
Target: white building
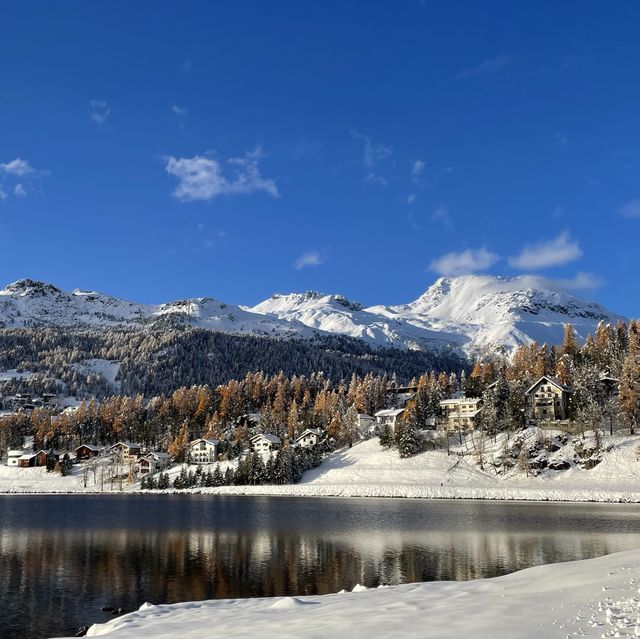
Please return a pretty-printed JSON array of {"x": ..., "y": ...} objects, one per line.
[
  {"x": 265, "y": 442},
  {"x": 203, "y": 451},
  {"x": 389, "y": 417},
  {"x": 152, "y": 463},
  {"x": 310, "y": 437},
  {"x": 460, "y": 413},
  {"x": 126, "y": 452},
  {"x": 13, "y": 456}
]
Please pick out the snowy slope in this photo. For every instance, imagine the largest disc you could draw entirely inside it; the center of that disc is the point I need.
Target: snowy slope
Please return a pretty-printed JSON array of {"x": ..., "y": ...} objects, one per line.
[
  {"x": 472, "y": 311},
  {"x": 467, "y": 313},
  {"x": 29, "y": 303},
  {"x": 588, "y": 598}
]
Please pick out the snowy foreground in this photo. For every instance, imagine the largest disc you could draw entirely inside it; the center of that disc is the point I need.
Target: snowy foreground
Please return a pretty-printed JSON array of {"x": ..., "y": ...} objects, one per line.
[
  {"x": 590, "y": 598},
  {"x": 366, "y": 470}
]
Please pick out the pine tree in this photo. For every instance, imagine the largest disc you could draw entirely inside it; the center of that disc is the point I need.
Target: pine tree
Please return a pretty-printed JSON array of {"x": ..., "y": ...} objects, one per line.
[
  {"x": 408, "y": 441},
  {"x": 570, "y": 342}
]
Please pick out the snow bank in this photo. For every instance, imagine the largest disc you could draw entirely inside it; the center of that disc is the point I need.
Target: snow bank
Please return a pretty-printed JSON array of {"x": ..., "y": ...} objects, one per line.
[{"x": 591, "y": 598}]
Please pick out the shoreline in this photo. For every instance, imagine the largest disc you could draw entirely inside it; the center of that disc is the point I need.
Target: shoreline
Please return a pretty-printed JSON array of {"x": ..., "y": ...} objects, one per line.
[
  {"x": 589, "y": 598},
  {"x": 428, "y": 493}
]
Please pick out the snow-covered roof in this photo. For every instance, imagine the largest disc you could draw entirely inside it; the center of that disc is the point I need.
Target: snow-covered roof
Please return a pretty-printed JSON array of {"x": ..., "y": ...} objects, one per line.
[
  {"x": 310, "y": 431},
  {"x": 158, "y": 456},
  {"x": 126, "y": 444},
  {"x": 460, "y": 400},
  {"x": 389, "y": 412},
  {"x": 550, "y": 380},
  {"x": 92, "y": 447},
  {"x": 211, "y": 442},
  {"x": 364, "y": 416},
  {"x": 27, "y": 455},
  {"x": 274, "y": 439}
]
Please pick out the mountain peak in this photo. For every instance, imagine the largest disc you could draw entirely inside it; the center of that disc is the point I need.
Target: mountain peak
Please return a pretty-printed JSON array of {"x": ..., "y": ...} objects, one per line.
[{"x": 28, "y": 286}]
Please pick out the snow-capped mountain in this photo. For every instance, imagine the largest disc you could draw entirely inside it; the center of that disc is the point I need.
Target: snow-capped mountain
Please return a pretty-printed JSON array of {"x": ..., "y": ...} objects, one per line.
[
  {"x": 473, "y": 312},
  {"x": 467, "y": 313},
  {"x": 27, "y": 303}
]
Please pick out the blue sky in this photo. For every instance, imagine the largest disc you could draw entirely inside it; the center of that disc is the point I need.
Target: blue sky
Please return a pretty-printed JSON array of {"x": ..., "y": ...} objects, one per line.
[{"x": 160, "y": 150}]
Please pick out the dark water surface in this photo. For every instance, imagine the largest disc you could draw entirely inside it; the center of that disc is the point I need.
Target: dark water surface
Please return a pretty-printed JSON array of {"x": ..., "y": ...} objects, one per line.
[{"x": 63, "y": 557}]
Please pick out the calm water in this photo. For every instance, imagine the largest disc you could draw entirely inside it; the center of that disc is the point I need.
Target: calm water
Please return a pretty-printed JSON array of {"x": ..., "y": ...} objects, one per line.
[{"x": 63, "y": 557}]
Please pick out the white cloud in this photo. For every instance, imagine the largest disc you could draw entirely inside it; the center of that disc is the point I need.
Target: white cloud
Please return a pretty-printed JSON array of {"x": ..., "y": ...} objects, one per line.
[
  {"x": 555, "y": 252},
  {"x": 311, "y": 258},
  {"x": 374, "y": 178},
  {"x": 488, "y": 67},
  {"x": 99, "y": 111},
  {"x": 374, "y": 152},
  {"x": 17, "y": 167},
  {"x": 17, "y": 177},
  {"x": 581, "y": 282},
  {"x": 411, "y": 199},
  {"x": 417, "y": 168},
  {"x": 562, "y": 139},
  {"x": 630, "y": 209},
  {"x": 179, "y": 110},
  {"x": 203, "y": 178},
  {"x": 469, "y": 261}
]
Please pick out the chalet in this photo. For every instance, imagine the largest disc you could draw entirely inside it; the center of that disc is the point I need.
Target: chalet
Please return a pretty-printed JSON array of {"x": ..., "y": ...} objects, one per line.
[
  {"x": 310, "y": 437},
  {"x": 152, "y": 463},
  {"x": 13, "y": 456},
  {"x": 389, "y": 417},
  {"x": 548, "y": 399},
  {"x": 460, "y": 413},
  {"x": 28, "y": 460},
  {"x": 265, "y": 442},
  {"x": 126, "y": 452},
  {"x": 41, "y": 456},
  {"x": 203, "y": 451},
  {"x": 87, "y": 451}
]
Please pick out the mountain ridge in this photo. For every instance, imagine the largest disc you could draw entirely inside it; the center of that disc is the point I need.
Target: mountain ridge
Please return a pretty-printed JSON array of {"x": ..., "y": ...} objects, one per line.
[{"x": 468, "y": 313}]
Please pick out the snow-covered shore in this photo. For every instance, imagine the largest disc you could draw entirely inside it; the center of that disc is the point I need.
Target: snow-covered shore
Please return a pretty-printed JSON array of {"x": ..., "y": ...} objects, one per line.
[
  {"x": 589, "y": 598},
  {"x": 366, "y": 470}
]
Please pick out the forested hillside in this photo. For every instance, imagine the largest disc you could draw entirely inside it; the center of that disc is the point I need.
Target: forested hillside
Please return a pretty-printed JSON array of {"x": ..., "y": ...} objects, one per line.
[{"x": 159, "y": 359}]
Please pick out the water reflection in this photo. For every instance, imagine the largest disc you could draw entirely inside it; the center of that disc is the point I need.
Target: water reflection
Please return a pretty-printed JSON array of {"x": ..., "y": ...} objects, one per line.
[{"x": 62, "y": 558}]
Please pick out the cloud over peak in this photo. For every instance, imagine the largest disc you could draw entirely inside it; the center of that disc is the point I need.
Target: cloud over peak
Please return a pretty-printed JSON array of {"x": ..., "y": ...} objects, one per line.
[
  {"x": 310, "y": 258},
  {"x": 465, "y": 262},
  {"x": 556, "y": 252}
]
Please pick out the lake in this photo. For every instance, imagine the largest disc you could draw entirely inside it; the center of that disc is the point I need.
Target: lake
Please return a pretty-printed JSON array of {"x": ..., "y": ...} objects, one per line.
[{"x": 63, "y": 557}]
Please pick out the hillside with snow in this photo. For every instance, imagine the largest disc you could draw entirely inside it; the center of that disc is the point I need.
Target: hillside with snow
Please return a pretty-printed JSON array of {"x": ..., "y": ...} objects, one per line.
[
  {"x": 465, "y": 314},
  {"x": 472, "y": 312}
]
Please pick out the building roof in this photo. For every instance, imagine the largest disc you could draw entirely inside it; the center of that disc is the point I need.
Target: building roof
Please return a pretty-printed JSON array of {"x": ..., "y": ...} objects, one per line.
[
  {"x": 389, "y": 412},
  {"x": 460, "y": 400},
  {"x": 550, "y": 380},
  {"x": 312, "y": 431},
  {"x": 274, "y": 439},
  {"x": 127, "y": 444},
  {"x": 27, "y": 455},
  {"x": 211, "y": 442},
  {"x": 97, "y": 449},
  {"x": 158, "y": 456}
]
